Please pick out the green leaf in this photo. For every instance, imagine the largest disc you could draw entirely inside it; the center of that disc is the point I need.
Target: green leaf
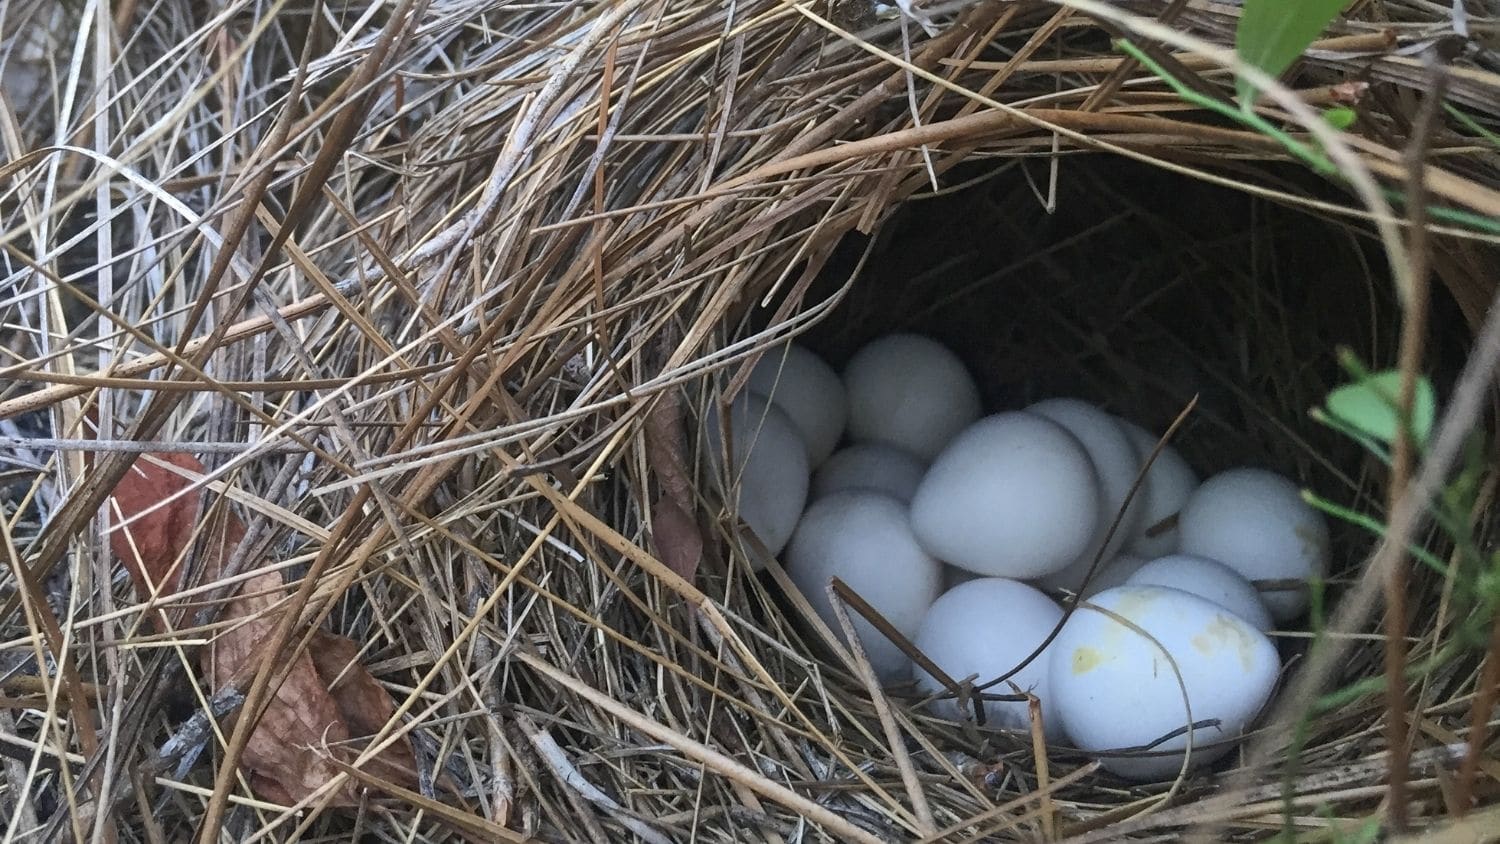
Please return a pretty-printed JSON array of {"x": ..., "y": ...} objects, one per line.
[
  {"x": 1273, "y": 33},
  {"x": 1370, "y": 406},
  {"x": 1340, "y": 118}
]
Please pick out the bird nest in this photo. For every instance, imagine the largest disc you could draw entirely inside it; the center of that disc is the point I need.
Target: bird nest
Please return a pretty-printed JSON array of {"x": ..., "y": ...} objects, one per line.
[{"x": 424, "y": 300}]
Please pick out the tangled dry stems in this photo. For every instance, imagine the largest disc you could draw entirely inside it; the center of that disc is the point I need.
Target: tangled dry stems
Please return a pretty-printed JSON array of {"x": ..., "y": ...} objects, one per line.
[{"x": 410, "y": 284}]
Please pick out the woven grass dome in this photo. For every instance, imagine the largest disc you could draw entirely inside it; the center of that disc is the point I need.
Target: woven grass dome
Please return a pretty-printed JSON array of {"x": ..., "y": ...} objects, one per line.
[{"x": 394, "y": 328}]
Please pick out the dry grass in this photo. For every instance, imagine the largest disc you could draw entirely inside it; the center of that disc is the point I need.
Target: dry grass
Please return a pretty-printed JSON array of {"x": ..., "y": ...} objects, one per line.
[{"x": 409, "y": 276}]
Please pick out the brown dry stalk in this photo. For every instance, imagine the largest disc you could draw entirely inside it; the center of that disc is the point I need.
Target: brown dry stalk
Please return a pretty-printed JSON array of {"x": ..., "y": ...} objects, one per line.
[
  {"x": 340, "y": 134},
  {"x": 1486, "y": 691},
  {"x": 1410, "y": 360},
  {"x": 82, "y": 506},
  {"x": 1009, "y": 807},
  {"x": 39, "y": 614},
  {"x": 894, "y": 740}
]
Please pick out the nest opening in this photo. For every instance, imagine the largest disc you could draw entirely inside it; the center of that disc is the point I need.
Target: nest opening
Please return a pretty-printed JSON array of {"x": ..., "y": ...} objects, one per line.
[{"x": 1142, "y": 291}]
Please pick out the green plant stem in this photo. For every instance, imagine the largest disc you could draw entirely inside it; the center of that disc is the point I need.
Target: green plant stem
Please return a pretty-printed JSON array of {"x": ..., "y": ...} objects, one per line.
[
  {"x": 1305, "y": 153},
  {"x": 1374, "y": 526},
  {"x": 1471, "y": 124},
  {"x": 1301, "y": 151}
]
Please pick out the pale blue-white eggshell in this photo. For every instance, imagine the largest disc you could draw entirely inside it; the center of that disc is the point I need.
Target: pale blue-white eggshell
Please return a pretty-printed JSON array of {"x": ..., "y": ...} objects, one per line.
[
  {"x": 864, "y": 539},
  {"x": 876, "y": 466},
  {"x": 808, "y": 391},
  {"x": 909, "y": 391},
  {"x": 985, "y": 627},
  {"x": 1014, "y": 495},
  {"x": 1116, "y": 465},
  {"x": 1118, "y": 689},
  {"x": 766, "y": 478},
  {"x": 1112, "y": 572},
  {"x": 1169, "y": 482},
  {"x": 1255, "y": 522},
  {"x": 1209, "y": 579}
]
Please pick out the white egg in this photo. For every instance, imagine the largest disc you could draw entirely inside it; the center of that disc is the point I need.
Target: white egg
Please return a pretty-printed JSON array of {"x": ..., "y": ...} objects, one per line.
[
  {"x": 983, "y": 629},
  {"x": 1117, "y": 689},
  {"x": 1014, "y": 495},
  {"x": 1115, "y": 464},
  {"x": 1112, "y": 572},
  {"x": 864, "y": 539},
  {"x": 806, "y": 389},
  {"x": 1256, "y": 522},
  {"x": 911, "y": 392},
  {"x": 1169, "y": 482},
  {"x": 874, "y": 466},
  {"x": 1209, "y": 579},
  {"x": 768, "y": 474}
]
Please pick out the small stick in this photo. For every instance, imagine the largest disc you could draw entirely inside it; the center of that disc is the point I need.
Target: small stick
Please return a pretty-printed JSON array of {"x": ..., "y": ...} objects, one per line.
[
  {"x": 961, "y": 692},
  {"x": 1412, "y": 343},
  {"x": 547, "y": 748},
  {"x": 925, "y": 823},
  {"x": 1479, "y": 717},
  {"x": 1011, "y": 806},
  {"x": 1039, "y": 750}
]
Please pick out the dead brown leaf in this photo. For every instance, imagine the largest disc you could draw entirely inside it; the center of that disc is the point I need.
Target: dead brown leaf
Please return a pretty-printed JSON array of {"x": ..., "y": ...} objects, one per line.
[
  {"x": 327, "y": 698},
  {"x": 154, "y": 543},
  {"x": 678, "y": 541},
  {"x": 363, "y": 703},
  {"x": 666, "y": 450}
]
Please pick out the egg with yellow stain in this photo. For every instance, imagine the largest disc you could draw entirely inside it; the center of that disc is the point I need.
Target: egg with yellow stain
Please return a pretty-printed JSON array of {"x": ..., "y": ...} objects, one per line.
[
  {"x": 1138, "y": 671},
  {"x": 1210, "y": 579}
]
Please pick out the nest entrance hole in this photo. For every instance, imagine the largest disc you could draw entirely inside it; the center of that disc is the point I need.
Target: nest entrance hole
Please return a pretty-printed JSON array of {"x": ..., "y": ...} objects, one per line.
[{"x": 1140, "y": 289}]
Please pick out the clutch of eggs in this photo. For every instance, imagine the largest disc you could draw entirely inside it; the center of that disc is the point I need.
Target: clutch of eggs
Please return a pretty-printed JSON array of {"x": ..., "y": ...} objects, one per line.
[{"x": 955, "y": 526}]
